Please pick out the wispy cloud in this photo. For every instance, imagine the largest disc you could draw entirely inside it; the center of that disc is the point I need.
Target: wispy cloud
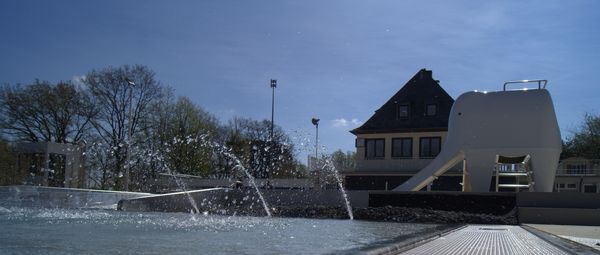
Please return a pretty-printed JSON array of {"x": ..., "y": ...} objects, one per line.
[{"x": 341, "y": 122}]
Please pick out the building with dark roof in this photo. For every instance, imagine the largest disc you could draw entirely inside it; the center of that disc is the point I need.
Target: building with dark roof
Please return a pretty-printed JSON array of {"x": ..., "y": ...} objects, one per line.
[
  {"x": 403, "y": 136},
  {"x": 421, "y": 105}
]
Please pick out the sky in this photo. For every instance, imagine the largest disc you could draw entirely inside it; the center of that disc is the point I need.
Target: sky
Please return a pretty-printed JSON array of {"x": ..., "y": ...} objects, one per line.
[{"x": 335, "y": 60}]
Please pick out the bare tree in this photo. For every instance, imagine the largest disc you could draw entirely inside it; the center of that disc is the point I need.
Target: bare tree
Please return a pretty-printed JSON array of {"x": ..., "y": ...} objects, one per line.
[
  {"x": 124, "y": 97},
  {"x": 45, "y": 112}
]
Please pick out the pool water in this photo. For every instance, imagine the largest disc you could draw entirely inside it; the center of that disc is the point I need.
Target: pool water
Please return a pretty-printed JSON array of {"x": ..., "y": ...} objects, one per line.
[{"x": 78, "y": 231}]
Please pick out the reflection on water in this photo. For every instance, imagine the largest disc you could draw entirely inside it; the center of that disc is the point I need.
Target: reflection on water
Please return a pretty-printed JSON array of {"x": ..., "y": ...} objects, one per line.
[{"x": 66, "y": 231}]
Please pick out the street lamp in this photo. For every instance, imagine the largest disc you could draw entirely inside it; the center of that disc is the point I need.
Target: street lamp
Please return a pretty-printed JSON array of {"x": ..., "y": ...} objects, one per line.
[
  {"x": 130, "y": 85},
  {"x": 315, "y": 122},
  {"x": 273, "y": 86}
]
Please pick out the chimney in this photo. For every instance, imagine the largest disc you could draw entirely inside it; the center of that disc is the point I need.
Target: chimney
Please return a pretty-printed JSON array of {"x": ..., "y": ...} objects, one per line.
[{"x": 425, "y": 74}]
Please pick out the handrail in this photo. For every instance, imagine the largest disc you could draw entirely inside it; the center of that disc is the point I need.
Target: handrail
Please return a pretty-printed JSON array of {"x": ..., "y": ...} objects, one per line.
[
  {"x": 539, "y": 82},
  {"x": 578, "y": 172}
]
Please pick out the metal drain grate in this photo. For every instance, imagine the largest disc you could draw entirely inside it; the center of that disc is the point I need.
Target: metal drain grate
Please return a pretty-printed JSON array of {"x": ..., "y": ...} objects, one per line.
[
  {"x": 488, "y": 240},
  {"x": 495, "y": 229}
]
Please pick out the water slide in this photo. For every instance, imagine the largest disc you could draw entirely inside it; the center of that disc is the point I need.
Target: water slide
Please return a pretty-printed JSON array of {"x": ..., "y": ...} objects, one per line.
[{"x": 508, "y": 123}]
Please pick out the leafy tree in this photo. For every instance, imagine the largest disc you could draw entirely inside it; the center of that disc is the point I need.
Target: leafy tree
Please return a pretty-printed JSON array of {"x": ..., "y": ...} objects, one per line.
[
  {"x": 263, "y": 155},
  {"x": 44, "y": 112},
  {"x": 585, "y": 142},
  {"x": 343, "y": 161},
  {"x": 301, "y": 171},
  {"x": 9, "y": 174},
  {"x": 184, "y": 132}
]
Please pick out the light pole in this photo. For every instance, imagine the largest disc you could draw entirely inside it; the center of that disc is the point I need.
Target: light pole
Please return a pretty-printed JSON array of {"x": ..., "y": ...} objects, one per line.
[
  {"x": 273, "y": 86},
  {"x": 315, "y": 122},
  {"x": 130, "y": 85}
]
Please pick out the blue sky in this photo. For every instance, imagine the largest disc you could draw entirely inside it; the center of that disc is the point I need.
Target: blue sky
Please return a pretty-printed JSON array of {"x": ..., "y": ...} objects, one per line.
[{"x": 337, "y": 60}]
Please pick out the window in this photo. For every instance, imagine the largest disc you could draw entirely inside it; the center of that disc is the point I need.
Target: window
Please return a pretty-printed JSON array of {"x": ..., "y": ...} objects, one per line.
[
  {"x": 589, "y": 188},
  {"x": 571, "y": 185},
  {"x": 402, "y": 147},
  {"x": 375, "y": 148},
  {"x": 430, "y": 147},
  {"x": 359, "y": 143},
  {"x": 431, "y": 110},
  {"x": 403, "y": 111}
]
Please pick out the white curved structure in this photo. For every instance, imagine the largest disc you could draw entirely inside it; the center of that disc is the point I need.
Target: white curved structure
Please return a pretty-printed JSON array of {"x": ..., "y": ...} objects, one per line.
[{"x": 509, "y": 123}]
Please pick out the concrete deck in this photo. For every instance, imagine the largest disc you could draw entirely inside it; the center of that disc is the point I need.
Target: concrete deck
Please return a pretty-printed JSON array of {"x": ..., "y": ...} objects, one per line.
[
  {"x": 490, "y": 239},
  {"x": 586, "y": 235}
]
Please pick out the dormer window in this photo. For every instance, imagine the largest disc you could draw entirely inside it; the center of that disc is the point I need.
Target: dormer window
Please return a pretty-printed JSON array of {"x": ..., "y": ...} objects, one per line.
[
  {"x": 431, "y": 110},
  {"x": 403, "y": 111}
]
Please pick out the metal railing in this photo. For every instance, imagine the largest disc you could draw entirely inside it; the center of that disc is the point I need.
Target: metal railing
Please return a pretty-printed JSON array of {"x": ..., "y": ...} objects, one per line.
[
  {"x": 578, "y": 172},
  {"x": 579, "y": 167},
  {"x": 539, "y": 82}
]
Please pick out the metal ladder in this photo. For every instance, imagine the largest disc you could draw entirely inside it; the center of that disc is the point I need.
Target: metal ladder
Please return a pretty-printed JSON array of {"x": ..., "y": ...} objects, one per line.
[{"x": 517, "y": 167}]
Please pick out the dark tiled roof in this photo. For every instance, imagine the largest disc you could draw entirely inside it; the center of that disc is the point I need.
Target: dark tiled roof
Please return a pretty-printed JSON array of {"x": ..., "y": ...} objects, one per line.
[{"x": 420, "y": 91}]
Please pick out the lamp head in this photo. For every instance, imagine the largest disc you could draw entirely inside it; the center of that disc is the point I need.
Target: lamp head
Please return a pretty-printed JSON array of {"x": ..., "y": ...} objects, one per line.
[{"x": 315, "y": 121}]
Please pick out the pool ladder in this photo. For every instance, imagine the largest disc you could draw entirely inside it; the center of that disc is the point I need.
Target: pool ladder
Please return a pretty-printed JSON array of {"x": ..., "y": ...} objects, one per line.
[{"x": 515, "y": 168}]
